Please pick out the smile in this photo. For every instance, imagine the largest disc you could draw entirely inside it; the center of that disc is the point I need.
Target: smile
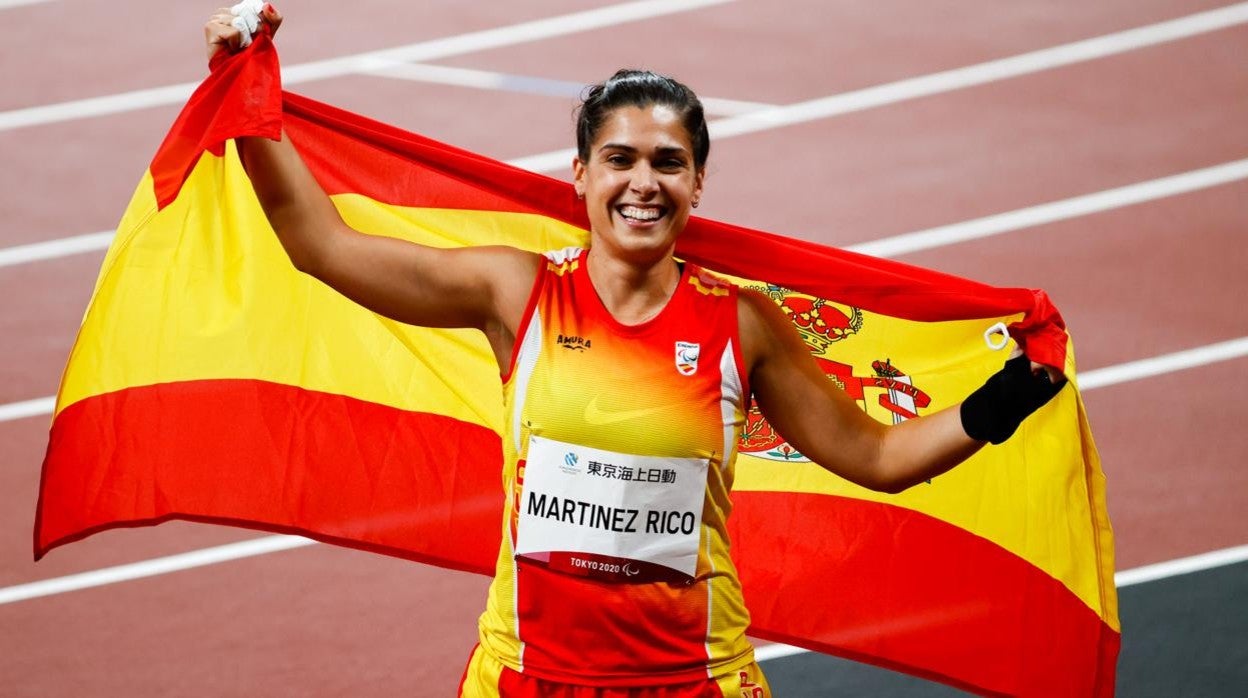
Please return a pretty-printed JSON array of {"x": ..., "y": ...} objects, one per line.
[{"x": 640, "y": 213}]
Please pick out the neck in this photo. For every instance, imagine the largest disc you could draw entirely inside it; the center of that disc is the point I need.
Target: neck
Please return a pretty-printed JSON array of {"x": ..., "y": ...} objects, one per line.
[{"x": 633, "y": 293}]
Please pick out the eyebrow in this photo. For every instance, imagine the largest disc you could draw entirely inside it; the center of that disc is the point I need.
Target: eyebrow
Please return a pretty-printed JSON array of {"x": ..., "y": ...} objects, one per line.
[{"x": 664, "y": 150}]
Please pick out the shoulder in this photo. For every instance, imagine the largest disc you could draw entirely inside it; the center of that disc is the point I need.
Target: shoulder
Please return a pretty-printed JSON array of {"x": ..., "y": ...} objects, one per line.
[
  {"x": 765, "y": 330},
  {"x": 756, "y": 313},
  {"x": 507, "y": 269},
  {"x": 506, "y": 275}
]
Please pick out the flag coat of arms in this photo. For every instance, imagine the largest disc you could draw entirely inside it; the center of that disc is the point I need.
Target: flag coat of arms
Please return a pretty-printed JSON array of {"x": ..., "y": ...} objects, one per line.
[{"x": 211, "y": 381}]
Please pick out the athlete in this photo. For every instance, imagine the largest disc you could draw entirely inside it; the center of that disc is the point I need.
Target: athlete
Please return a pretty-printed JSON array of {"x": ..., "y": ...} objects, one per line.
[{"x": 626, "y": 380}]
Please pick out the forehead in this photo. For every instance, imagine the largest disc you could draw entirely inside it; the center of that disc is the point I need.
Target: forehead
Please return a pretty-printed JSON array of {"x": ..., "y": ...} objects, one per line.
[{"x": 644, "y": 128}]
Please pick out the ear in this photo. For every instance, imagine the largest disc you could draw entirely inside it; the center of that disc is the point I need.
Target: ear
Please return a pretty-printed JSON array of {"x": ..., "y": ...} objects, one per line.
[
  {"x": 578, "y": 177},
  {"x": 698, "y": 178}
]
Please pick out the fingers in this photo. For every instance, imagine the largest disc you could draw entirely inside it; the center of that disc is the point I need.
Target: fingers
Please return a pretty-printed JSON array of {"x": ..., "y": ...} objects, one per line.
[
  {"x": 1055, "y": 374},
  {"x": 271, "y": 17},
  {"x": 219, "y": 34},
  {"x": 221, "y": 31}
]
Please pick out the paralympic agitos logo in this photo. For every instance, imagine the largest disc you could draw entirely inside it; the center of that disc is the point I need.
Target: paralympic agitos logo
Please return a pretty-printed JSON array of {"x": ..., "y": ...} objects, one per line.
[{"x": 820, "y": 325}]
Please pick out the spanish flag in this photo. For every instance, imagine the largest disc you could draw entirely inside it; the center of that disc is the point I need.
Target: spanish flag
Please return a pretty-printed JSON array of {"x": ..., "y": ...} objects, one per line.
[{"x": 211, "y": 381}]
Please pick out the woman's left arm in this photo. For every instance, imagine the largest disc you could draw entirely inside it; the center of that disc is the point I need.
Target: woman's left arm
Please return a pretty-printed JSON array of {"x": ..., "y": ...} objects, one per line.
[{"x": 823, "y": 423}]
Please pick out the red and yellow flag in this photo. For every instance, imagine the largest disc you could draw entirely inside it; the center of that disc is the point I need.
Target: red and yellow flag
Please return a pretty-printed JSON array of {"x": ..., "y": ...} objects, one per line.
[{"x": 212, "y": 382}]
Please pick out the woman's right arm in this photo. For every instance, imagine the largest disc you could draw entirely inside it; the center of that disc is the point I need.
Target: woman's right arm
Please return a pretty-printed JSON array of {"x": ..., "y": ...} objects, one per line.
[{"x": 481, "y": 287}]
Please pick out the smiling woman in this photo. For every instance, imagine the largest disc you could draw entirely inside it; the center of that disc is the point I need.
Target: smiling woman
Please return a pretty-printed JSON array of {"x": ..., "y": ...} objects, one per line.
[
  {"x": 627, "y": 380},
  {"x": 641, "y": 160}
]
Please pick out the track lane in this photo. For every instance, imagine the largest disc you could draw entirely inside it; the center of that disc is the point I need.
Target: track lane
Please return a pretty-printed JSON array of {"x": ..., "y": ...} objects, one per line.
[
  {"x": 877, "y": 130},
  {"x": 170, "y": 49},
  {"x": 992, "y": 148},
  {"x": 1172, "y": 449},
  {"x": 314, "y": 621},
  {"x": 1138, "y": 281},
  {"x": 799, "y": 48},
  {"x": 42, "y": 310}
]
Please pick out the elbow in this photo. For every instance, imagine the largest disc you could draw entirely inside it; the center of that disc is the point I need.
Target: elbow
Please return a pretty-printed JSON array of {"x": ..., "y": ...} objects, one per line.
[
  {"x": 891, "y": 485},
  {"x": 893, "y": 488},
  {"x": 305, "y": 263},
  {"x": 305, "y": 250}
]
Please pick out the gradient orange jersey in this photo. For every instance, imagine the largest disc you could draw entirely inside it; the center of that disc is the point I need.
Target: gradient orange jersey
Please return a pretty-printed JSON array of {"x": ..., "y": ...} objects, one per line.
[{"x": 619, "y": 450}]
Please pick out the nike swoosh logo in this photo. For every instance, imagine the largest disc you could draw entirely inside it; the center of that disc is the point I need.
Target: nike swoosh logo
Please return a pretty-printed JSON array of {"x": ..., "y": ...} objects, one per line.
[{"x": 597, "y": 416}]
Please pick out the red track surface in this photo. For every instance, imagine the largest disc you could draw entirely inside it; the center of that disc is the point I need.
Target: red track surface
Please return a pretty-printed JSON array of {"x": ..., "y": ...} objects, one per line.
[{"x": 1133, "y": 283}]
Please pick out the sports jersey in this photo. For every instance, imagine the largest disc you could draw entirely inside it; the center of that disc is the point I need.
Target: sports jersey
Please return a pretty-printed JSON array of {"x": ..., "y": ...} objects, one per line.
[{"x": 619, "y": 447}]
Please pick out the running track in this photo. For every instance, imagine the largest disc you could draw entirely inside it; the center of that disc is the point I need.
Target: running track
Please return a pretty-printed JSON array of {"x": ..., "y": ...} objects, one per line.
[{"x": 880, "y": 131}]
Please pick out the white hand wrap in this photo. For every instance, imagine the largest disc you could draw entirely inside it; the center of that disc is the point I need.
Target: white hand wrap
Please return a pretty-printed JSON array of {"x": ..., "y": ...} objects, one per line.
[{"x": 247, "y": 19}]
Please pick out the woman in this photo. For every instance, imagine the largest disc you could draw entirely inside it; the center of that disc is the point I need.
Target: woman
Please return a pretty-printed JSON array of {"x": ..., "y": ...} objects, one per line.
[{"x": 614, "y": 576}]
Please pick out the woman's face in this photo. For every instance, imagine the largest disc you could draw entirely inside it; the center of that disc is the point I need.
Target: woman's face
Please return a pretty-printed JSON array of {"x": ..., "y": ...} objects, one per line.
[{"x": 639, "y": 182}]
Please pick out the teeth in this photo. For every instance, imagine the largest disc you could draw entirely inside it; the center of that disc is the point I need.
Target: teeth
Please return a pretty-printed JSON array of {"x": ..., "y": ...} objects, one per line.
[{"x": 641, "y": 214}]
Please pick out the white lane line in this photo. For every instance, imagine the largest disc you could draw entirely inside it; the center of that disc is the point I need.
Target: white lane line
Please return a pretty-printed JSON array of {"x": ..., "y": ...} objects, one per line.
[
  {"x": 983, "y": 73},
  {"x": 153, "y": 567},
  {"x": 27, "y": 408},
  {"x": 1125, "y": 578},
  {"x": 51, "y": 249},
  {"x": 545, "y": 87},
  {"x": 1186, "y": 565},
  {"x": 1161, "y": 365},
  {"x": 1056, "y": 211},
  {"x": 511, "y": 35}
]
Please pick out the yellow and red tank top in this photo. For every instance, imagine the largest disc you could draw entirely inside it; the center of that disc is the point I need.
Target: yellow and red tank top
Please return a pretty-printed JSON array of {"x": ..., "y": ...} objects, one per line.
[{"x": 619, "y": 448}]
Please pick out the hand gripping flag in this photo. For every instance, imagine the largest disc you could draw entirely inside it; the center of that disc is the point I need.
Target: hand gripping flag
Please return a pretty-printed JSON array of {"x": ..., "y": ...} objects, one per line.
[{"x": 212, "y": 382}]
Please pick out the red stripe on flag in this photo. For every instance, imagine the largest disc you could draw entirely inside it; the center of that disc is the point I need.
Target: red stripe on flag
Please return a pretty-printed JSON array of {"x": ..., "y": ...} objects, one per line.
[
  {"x": 891, "y": 582},
  {"x": 279, "y": 458}
]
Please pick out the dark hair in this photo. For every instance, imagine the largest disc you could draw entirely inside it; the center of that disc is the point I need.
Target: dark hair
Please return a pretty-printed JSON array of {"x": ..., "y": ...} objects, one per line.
[{"x": 641, "y": 88}]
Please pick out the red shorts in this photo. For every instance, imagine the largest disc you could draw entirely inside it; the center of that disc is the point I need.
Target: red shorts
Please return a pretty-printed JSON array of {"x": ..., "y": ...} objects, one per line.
[{"x": 486, "y": 677}]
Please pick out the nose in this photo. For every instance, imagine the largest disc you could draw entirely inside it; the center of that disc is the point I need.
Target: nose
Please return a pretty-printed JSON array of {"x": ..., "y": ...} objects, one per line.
[{"x": 643, "y": 182}]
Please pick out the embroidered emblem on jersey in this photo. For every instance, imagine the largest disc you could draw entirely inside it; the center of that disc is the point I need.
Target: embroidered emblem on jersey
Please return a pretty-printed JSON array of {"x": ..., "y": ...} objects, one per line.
[{"x": 687, "y": 357}]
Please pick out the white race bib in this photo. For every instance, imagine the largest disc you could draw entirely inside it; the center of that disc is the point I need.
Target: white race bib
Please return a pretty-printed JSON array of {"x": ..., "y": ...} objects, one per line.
[{"x": 577, "y": 499}]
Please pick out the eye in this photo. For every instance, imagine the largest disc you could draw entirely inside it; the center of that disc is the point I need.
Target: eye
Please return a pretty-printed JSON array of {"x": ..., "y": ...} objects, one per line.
[{"x": 618, "y": 160}]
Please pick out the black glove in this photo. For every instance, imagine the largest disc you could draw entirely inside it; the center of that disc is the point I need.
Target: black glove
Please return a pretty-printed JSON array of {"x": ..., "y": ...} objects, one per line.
[{"x": 994, "y": 412}]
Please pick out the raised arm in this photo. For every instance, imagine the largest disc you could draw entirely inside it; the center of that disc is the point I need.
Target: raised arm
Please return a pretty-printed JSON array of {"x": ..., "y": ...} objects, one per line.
[
  {"x": 825, "y": 425},
  {"x": 482, "y": 287}
]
